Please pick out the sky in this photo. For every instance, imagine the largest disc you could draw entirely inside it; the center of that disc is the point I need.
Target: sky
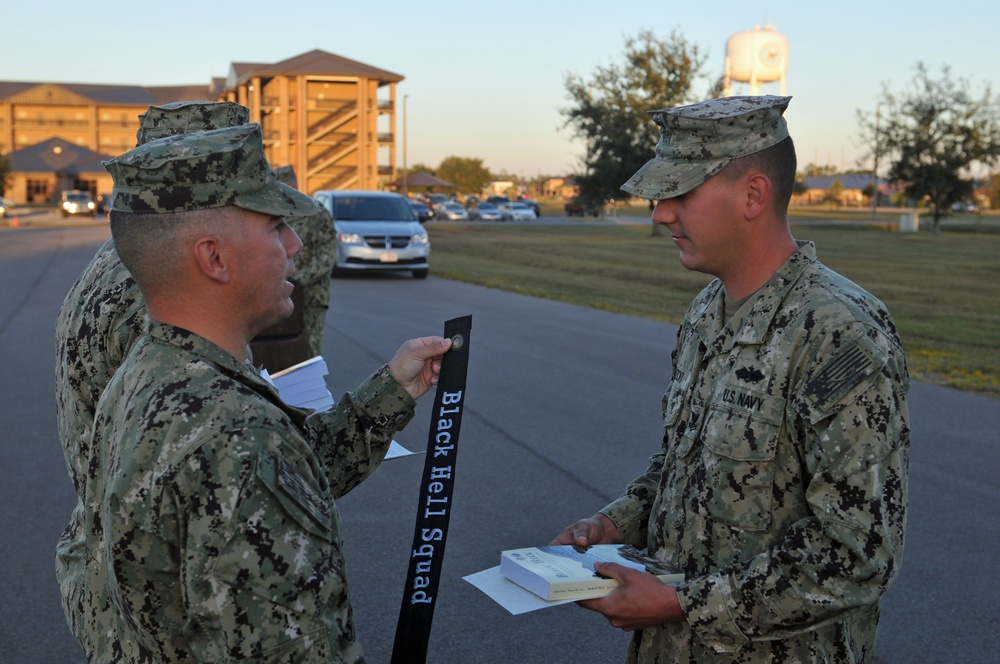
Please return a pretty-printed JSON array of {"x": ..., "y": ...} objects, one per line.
[{"x": 488, "y": 80}]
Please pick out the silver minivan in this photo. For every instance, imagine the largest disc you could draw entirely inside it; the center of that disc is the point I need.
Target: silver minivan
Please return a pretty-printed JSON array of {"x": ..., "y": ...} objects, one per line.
[{"x": 376, "y": 230}]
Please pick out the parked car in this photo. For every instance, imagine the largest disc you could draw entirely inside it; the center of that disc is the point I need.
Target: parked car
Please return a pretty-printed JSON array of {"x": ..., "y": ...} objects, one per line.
[
  {"x": 498, "y": 200},
  {"x": 575, "y": 208},
  {"x": 423, "y": 212},
  {"x": 74, "y": 202},
  {"x": 532, "y": 204},
  {"x": 454, "y": 211},
  {"x": 521, "y": 211},
  {"x": 103, "y": 203},
  {"x": 376, "y": 231},
  {"x": 970, "y": 208},
  {"x": 489, "y": 212},
  {"x": 436, "y": 201},
  {"x": 6, "y": 207}
]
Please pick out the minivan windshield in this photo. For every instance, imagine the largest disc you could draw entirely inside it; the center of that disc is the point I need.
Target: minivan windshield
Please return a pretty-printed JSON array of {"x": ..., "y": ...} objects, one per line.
[{"x": 372, "y": 208}]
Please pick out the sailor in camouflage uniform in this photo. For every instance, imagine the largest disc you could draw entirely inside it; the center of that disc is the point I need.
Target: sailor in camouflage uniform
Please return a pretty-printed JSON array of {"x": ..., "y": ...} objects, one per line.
[
  {"x": 313, "y": 265},
  {"x": 101, "y": 318},
  {"x": 216, "y": 520},
  {"x": 780, "y": 489}
]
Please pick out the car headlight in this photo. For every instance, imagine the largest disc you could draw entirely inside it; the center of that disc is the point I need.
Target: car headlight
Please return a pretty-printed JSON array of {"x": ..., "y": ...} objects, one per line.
[
  {"x": 90, "y": 205},
  {"x": 350, "y": 238},
  {"x": 420, "y": 238}
]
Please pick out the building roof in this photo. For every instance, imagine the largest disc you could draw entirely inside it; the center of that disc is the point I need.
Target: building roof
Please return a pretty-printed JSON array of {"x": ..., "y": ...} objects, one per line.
[
  {"x": 847, "y": 181},
  {"x": 57, "y": 155},
  {"x": 169, "y": 93},
  {"x": 312, "y": 62},
  {"x": 421, "y": 179},
  {"x": 113, "y": 95},
  {"x": 43, "y": 92}
]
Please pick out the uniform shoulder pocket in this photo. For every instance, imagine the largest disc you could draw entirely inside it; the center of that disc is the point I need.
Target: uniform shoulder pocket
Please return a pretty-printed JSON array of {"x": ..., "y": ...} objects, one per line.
[
  {"x": 297, "y": 495},
  {"x": 845, "y": 373}
]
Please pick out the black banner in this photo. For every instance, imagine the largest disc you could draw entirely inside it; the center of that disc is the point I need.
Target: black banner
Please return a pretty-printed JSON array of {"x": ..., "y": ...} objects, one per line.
[{"x": 413, "y": 629}]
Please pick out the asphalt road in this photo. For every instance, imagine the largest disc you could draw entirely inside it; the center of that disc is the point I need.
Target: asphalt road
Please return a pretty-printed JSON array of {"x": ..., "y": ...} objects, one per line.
[{"x": 562, "y": 410}]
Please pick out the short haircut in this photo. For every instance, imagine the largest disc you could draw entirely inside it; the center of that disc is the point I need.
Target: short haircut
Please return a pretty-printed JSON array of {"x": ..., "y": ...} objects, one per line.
[
  {"x": 152, "y": 246},
  {"x": 777, "y": 162}
]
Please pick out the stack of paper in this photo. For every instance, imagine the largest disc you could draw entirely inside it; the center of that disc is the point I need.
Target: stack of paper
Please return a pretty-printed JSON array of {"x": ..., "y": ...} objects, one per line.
[{"x": 304, "y": 385}]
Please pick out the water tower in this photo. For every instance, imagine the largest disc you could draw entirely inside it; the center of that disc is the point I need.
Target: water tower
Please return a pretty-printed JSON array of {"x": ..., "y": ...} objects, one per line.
[{"x": 756, "y": 56}]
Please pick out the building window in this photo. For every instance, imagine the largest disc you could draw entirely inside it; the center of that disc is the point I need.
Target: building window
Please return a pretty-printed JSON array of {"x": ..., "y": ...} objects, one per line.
[
  {"x": 86, "y": 185},
  {"x": 38, "y": 191}
]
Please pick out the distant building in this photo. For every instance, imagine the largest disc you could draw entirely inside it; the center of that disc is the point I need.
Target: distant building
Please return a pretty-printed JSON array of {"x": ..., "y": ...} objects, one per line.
[
  {"x": 43, "y": 170},
  {"x": 564, "y": 188},
  {"x": 499, "y": 188},
  {"x": 852, "y": 185},
  {"x": 331, "y": 118}
]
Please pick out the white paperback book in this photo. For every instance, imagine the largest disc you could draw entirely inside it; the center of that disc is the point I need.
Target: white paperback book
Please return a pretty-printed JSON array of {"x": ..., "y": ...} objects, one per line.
[{"x": 563, "y": 572}]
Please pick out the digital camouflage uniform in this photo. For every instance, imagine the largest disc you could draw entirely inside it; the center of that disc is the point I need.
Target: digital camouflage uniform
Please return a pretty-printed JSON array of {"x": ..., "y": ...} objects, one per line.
[
  {"x": 218, "y": 520},
  {"x": 101, "y": 318},
  {"x": 181, "y": 400},
  {"x": 780, "y": 490},
  {"x": 313, "y": 266},
  {"x": 99, "y": 322}
]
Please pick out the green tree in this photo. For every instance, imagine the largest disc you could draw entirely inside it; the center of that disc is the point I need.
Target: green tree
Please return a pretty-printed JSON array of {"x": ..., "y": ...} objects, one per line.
[
  {"x": 933, "y": 136},
  {"x": 608, "y": 110},
  {"x": 467, "y": 174},
  {"x": 812, "y": 170},
  {"x": 419, "y": 168},
  {"x": 835, "y": 195}
]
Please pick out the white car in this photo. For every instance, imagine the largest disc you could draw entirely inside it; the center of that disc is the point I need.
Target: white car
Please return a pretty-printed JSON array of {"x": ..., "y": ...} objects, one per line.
[
  {"x": 489, "y": 212},
  {"x": 454, "y": 212},
  {"x": 376, "y": 231},
  {"x": 521, "y": 212},
  {"x": 76, "y": 202}
]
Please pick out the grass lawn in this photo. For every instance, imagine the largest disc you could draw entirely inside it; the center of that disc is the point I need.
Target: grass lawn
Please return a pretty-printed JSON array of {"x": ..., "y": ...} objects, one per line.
[{"x": 943, "y": 291}]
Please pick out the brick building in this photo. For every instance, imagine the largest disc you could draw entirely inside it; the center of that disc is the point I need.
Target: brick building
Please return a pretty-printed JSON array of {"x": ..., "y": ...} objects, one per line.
[{"x": 331, "y": 118}]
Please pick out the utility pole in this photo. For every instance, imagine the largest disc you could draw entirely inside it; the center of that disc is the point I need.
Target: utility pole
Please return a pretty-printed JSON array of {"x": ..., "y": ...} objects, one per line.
[
  {"x": 406, "y": 173},
  {"x": 878, "y": 108}
]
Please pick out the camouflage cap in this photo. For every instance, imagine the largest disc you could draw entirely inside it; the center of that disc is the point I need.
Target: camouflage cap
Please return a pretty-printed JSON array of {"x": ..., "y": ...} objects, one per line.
[
  {"x": 181, "y": 117},
  {"x": 285, "y": 174},
  {"x": 698, "y": 141},
  {"x": 202, "y": 170}
]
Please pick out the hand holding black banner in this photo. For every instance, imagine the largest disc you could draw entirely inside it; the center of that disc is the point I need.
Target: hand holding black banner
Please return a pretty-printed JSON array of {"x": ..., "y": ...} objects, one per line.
[{"x": 413, "y": 629}]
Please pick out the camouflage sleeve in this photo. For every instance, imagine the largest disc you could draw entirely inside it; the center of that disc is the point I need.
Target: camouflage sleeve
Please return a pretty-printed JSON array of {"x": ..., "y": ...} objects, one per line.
[
  {"x": 353, "y": 437},
  {"x": 314, "y": 262},
  {"x": 849, "y": 426},
  {"x": 630, "y": 513}
]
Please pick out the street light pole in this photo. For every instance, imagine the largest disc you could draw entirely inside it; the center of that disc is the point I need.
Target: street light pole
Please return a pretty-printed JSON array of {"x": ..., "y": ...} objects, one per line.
[
  {"x": 406, "y": 174},
  {"x": 878, "y": 108}
]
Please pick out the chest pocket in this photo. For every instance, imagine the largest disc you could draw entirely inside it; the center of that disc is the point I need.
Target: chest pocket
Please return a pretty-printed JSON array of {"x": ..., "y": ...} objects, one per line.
[{"x": 739, "y": 442}]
